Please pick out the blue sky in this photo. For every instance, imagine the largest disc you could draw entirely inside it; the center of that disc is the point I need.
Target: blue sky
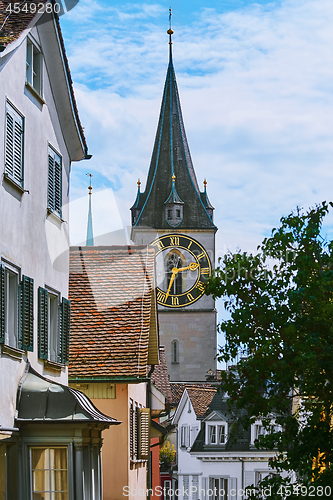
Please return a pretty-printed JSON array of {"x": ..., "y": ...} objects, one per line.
[{"x": 255, "y": 82}]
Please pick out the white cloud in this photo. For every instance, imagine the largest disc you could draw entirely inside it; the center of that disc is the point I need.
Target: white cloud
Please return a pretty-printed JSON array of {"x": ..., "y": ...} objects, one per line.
[{"x": 256, "y": 92}]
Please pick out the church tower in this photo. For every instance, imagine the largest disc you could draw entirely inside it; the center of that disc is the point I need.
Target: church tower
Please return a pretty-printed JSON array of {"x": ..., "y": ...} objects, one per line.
[{"x": 175, "y": 217}]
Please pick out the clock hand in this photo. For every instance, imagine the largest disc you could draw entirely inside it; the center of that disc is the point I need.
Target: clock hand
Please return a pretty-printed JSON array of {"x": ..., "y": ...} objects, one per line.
[
  {"x": 174, "y": 272},
  {"x": 192, "y": 267}
]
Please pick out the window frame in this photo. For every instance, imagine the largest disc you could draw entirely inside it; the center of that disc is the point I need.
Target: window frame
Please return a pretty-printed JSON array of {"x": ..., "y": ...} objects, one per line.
[
  {"x": 184, "y": 436},
  {"x": 14, "y": 170},
  {"x": 31, "y": 470},
  {"x": 217, "y": 426},
  {"x": 36, "y": 60}
]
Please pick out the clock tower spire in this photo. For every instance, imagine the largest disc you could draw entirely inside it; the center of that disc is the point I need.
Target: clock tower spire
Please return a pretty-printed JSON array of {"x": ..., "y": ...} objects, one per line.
[{"x": 175, "y": 217}]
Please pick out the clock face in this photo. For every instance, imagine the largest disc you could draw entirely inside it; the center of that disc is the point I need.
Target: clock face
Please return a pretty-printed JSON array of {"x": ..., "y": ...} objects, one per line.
[{"x": 183, "y": 268}]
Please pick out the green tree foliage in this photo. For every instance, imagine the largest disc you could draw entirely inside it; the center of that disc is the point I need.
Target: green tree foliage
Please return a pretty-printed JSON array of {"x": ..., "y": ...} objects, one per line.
[{"x": 281, "y": 316}]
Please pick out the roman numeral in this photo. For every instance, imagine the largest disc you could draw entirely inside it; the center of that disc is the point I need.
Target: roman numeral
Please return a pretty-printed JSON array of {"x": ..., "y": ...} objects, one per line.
[
  {"x": 189, "y": 297},
  {"x": 161, "y": 296},
  {"x": 201, "y": 255},
  {"x": 174, "y": 240},
  {"x": 159, "y": 244},
  {"x": 204, "y": 270},
  {"x": 189, "y": 245},
  {"x": 175, "y": 301},
  {"x": 201, "y": 286}
]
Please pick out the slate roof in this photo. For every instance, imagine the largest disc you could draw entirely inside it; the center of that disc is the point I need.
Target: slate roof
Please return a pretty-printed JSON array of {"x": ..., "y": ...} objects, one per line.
[
  {"x": 160, "y": 377},
  {"x": 113, "y": 319},
  {"x": 13, "y": 26},
  {"x": 171, "y": 156}
]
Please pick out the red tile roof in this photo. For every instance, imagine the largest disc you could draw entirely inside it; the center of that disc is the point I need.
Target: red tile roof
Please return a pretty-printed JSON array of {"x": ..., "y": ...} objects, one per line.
[
  {"x": 112, "y": 295},
  {"x": 177, "y": 389},
  {"x": 13, "y": 26},
  {"x": 201, "y": 398},
  {"x": 14, "y": 23},
  {"x": 160, "y": 377}
]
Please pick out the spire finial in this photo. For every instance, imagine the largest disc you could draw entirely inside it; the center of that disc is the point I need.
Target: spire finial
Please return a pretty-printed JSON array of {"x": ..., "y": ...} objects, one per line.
[
  {"x": 139, "y": 184},
  {"x": 205, "y": 183},
  {"x": 90, "y": 235},
  {"x": 173, "y": 178},
  {"x": 90, "y": 186},
  {"x": 170, "y": 32}
]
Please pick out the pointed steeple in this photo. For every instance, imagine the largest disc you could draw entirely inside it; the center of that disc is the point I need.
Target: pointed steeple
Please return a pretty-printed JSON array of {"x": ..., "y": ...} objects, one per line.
[
  {"x": 90, "y": 236},
  {"x": 171, "y": 164}
]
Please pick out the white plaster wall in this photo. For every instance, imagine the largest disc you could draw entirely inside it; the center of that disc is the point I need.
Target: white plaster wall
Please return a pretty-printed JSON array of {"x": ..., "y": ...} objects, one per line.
[
  {"x": 27, "y": 238},
  {"x": 187, "y": 464}
]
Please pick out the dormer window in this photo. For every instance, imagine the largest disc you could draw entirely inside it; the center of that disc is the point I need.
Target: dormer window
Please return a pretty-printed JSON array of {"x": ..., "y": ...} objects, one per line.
[
  {"x": 216, "y": 434},
  {"x": 169, "y": 214},
  {"x": 178, "y": 213},
  {"x": 34, "y": 67}
]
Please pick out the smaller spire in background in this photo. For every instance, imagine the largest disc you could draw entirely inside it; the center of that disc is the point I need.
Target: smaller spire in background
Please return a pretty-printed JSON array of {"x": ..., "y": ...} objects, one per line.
[{"x": 90, "y": 235}]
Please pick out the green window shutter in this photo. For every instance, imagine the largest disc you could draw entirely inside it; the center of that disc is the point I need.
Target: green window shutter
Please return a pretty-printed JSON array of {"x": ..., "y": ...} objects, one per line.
[
  {"x": 50, "y": 188},
  {"x": 14, "y": 145},
  {"x": 64, "y": 330},
  {"x": 26, "y": 314},
  {"x": 54, "y": 193},
  {"x": 43, "y": 326},
  {"x": 2, "y": 303},
  {"x": 57, "y": 186}
]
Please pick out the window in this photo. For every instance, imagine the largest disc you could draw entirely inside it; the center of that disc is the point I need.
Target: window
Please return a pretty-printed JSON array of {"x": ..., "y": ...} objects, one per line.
[
  {"x": 167, "y": 489},
  {"x": 220, "y": 488},
  {"x": 14, "y": 144},
  {"x": 49, "y": 467},
  {"x": 53, "y": 326},
  {"x": 139, "y": 421},
  {"x": 54, "y": 190},
  {"x": 175, "y": 351},
  {"x": 16, "y": 308},
  {"x": 169, "y": 214},
  {"x": 178, "y": 214},
  {"x": 184, "y": 436},
  {"x": 174, "y": 260},
  {"x": 34, "y": 67},
  {"x": 216, "y": 434}
]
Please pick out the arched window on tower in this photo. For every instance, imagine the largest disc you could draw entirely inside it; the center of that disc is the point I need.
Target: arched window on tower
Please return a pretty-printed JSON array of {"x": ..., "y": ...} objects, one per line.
[
  {"x": 174, "y": 260},
  {"x": 175, "y": 351}
]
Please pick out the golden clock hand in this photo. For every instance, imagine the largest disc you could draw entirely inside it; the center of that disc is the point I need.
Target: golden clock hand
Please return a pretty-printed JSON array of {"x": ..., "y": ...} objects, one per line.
[
  {"x": 192, "y": 267},
  {"x": 171, "y": 281}
]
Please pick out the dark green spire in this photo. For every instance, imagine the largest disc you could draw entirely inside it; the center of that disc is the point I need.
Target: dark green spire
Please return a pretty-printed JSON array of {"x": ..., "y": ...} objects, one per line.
[{"x": 172, "y": 197}]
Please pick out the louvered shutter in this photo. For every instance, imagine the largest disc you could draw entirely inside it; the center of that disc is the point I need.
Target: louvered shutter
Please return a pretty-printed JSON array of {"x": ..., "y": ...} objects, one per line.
[
  {"x": 186, "y": 486},
  {"x": 57, "y": 186},
  {"x": 135, "y": 432},
  {"x": 131, "y": 417},
  {"x": 64, "y": 322},
  {"x": 205, "y": 486},
  {"x": 144, "y": 426},
  {"x": 26, "y": 314},
  {"x": 51, "y": 185},
  {"x": 2, "y": 303},
  {"x": 195, "y": 488},
  {"x": 233, "y": 487},
  {"x": 43, "y": 323},
  {"x": 249, "y": 478},
  {"x": 14, "y": 145}
]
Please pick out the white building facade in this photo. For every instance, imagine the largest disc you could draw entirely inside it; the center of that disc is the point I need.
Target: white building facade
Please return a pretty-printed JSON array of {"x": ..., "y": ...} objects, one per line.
[
  {"x": 213, "y": 462},
  {"x": 40, "y": 135}
]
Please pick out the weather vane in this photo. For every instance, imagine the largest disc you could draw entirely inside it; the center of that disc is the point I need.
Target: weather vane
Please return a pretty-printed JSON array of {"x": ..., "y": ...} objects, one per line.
[{"x": 90, "y": 186}]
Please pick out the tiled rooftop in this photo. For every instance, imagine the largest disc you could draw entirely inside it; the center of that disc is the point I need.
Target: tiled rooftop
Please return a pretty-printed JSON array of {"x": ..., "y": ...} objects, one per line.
[
  {"x": 16, "y": 23},
  {"x": 113, "y": 310},
  {"x": 200, "y": 398},
  {"x": 177, "y": 389},
  {"x": 160, "y": 376}
]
